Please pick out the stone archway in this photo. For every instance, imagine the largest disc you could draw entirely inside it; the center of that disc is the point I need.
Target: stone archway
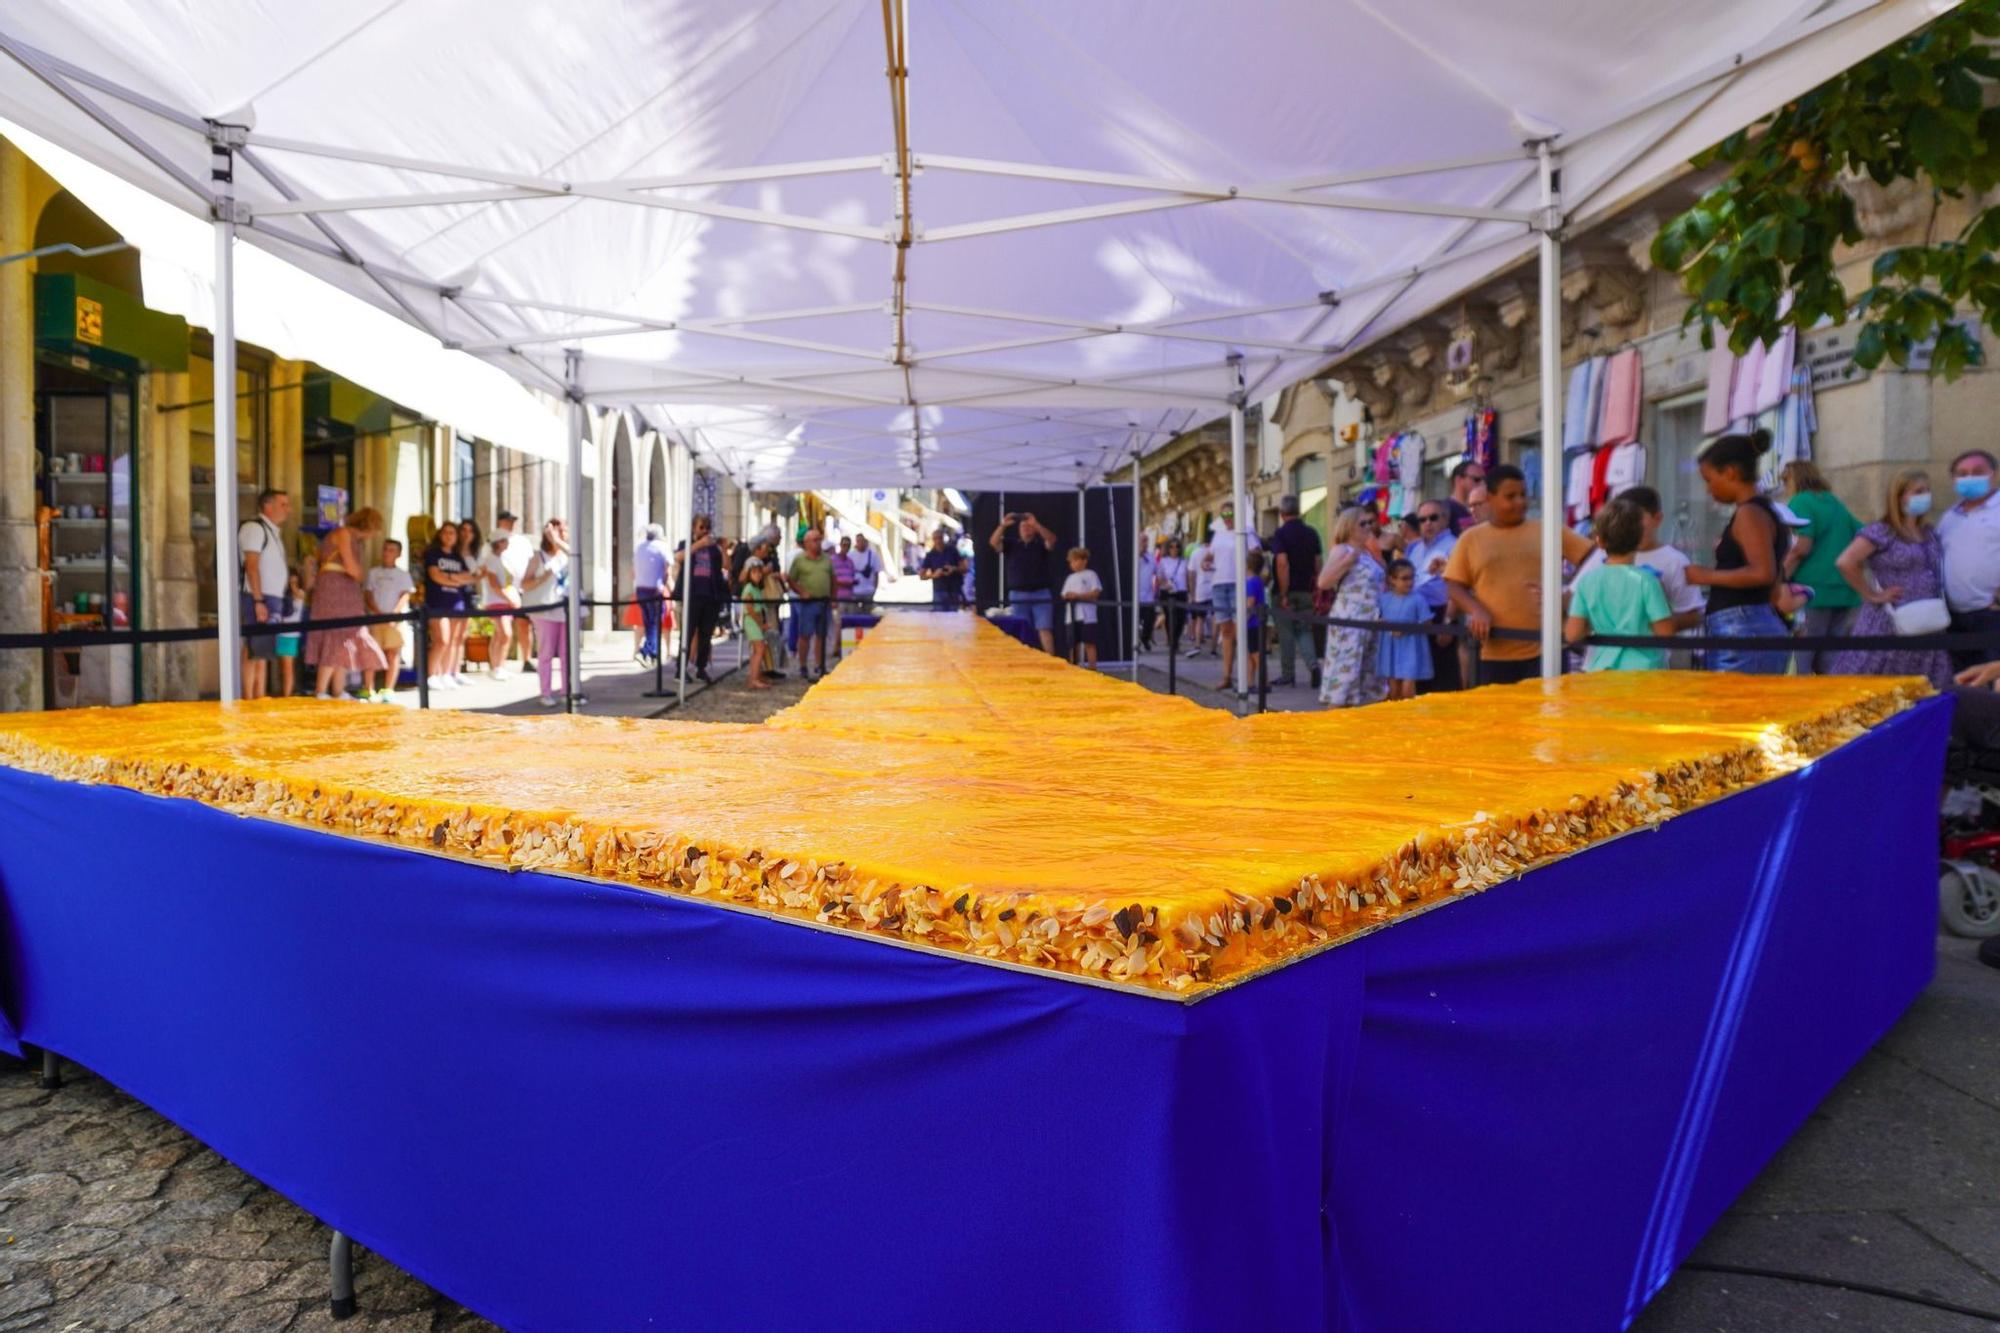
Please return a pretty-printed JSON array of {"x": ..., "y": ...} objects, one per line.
[
  {"x": 656, "y": 472},
  {"x": 623, "y": 508}
]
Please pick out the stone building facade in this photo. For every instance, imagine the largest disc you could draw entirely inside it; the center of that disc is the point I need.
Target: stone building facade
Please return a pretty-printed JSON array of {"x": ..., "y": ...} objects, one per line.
[{"x": 1871, "y": 425}]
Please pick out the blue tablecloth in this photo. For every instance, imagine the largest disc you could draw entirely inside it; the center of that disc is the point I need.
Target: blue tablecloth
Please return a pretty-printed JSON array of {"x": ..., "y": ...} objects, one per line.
[{"x": 571, "y": 1105}]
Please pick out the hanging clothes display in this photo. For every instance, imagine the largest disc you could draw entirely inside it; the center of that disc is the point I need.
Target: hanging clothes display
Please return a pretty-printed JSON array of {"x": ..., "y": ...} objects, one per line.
[
  {"x": 1798, "y": 419},
  {"x": 1625, "y": 468},
  {"x": 1721, "y": 385},
  {"x": 1774, "y": 378},
  {"x": 1624, "y": 394},
  {"x": 1744, "y": 387},
  {"x": 1482, "y": 438},
  {"x": 1581, "y": 402},
  {"x": 1577, "y": 464},
  {"x": 1409, "y": 487}
]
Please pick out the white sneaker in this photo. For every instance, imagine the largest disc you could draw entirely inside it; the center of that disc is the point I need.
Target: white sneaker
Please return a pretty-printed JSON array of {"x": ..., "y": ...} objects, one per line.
[
  {"x": 322, "y": 696},
  {"x": 549, "y": 701},
  {"x": 458, "y": 679},
  {"x": 443, "y": 683}
]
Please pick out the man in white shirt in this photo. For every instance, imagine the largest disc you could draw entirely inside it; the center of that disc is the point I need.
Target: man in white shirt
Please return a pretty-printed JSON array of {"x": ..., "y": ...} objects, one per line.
[
  {"x": 260, "y": 545},
  {"x": 1220, "y": 559},
  {"x": 387, "y": 591},
  {"x": 1430, "y": 551},
  {"x": 1970, "y": 531},
  {"x": 867, "y": 563}
]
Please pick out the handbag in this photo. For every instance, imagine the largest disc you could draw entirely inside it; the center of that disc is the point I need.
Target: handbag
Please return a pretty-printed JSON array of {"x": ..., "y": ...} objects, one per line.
[{"x": 1925, "y": 615}]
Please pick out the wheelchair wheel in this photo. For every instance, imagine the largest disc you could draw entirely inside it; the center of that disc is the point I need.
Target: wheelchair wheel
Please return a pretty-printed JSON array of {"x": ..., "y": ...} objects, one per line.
[{"x": 1969, "y": 899}]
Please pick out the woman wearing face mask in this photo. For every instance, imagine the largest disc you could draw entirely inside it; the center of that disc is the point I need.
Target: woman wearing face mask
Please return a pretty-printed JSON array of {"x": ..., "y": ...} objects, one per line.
[
  {"x": 1970, "y": 531},
  {"x": 1748, "y": 558},
  {"x": 1895, "y": 562}
]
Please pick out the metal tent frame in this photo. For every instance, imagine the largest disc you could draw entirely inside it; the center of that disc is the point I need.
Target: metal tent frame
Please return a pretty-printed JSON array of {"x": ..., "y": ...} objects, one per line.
[{"x": 774, "y": 401}]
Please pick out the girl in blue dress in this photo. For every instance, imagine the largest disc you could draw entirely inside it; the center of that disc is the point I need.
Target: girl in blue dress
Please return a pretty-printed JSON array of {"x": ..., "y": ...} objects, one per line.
[{"x": 1403, "y": 659}]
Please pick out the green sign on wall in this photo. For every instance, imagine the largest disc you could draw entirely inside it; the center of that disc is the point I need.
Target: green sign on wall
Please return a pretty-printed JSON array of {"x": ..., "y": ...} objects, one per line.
[{"x": 81, "y": 316}]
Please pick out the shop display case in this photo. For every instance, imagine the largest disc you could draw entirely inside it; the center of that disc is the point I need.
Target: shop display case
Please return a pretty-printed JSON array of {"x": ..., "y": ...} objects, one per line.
[{"x": 86, "y": 462}]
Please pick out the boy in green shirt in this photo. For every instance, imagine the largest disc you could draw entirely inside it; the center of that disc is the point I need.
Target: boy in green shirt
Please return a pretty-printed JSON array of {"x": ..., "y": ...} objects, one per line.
[{"x": 1619, "y": 596}]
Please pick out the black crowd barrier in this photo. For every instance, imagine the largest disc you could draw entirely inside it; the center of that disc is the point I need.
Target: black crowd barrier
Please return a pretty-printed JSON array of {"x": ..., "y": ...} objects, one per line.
[
  {"x": 420, "y": 616},
  {"x": 667, "y": 599},
  {"x": 1173, "y": 613},
  {"x": 1176, "y": 614}
]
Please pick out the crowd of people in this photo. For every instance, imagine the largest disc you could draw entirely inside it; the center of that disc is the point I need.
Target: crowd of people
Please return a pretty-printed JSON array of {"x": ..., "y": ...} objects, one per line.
[
  {"x": 460, "y": 575},
  {"x": 1464, "y": 572}
]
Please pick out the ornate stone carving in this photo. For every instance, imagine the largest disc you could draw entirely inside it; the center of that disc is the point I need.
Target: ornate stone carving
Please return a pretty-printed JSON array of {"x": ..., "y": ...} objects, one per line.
[
  {"x": 1634, "y": 233},
  {"x": 1600, "y": 278},
  {"x": 1358, "y": 381}
]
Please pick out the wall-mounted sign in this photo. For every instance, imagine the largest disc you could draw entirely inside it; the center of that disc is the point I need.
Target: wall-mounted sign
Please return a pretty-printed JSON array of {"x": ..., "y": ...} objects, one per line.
[
  {"x": 1830, "y": 354},
  {"x": 332, "y": 506},
  {"x": 89, "y": 321}
]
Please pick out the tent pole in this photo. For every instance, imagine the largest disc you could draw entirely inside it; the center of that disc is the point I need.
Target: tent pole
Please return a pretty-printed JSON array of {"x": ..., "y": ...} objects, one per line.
[
  {"x": 687, "y": 579},
  {"x": 1138, "y": 560},
  {"x": 1549, "y": 225},
  {"x": 573, "y": 613},
  {"x": 1238, "y": 531},
  {"x": 228, "y": 632}
]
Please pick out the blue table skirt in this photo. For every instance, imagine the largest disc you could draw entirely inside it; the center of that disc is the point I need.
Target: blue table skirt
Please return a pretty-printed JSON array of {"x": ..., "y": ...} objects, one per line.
[{"x": 579, "y": 1106}]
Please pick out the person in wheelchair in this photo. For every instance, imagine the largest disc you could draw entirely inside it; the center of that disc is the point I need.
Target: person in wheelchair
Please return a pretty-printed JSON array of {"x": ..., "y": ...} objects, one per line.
[{"x": 1969, "y": 879}]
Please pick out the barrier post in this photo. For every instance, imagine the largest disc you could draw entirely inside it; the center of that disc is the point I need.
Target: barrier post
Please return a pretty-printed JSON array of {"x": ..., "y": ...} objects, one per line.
[
  {"x": 1263, "y": 664},
  {"x": 423, "y": 655},
  {"x": 340, "y": 1266}
]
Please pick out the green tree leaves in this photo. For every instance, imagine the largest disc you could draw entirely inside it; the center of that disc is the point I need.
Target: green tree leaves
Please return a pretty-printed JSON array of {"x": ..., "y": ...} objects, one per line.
[{"x": 1916, "y": 111}]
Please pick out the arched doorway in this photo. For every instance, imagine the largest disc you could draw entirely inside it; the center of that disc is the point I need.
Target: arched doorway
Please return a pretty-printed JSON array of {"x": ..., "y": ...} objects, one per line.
[
  {"x": 656, "y": 476},
  {"x": 621, "y": 509}
]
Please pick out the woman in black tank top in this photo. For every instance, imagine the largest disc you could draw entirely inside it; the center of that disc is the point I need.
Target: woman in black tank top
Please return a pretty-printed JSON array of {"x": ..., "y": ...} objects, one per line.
[{"x": 1748, "y": 557}]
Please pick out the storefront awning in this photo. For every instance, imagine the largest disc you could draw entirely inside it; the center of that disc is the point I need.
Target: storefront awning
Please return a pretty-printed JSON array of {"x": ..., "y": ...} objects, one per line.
[{"x": 302, "y": 317}]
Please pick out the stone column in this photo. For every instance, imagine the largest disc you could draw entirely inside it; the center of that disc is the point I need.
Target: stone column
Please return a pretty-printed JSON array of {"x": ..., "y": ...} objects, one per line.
[
  {"x": 173, "y": 591},
  {"x": 20, "y": 568}
]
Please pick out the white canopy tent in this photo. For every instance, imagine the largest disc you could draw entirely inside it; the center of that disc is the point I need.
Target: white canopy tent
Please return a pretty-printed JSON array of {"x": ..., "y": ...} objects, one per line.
[{"x": 836, "y": 242}]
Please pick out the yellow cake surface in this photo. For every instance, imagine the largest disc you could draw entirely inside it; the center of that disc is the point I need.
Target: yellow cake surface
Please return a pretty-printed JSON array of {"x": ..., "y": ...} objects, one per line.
[{"x": 947, "y": 787}]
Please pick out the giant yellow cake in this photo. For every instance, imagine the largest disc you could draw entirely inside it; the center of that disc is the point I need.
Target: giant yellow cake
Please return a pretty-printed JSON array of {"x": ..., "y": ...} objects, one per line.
[{"x": 947, "y": 787}]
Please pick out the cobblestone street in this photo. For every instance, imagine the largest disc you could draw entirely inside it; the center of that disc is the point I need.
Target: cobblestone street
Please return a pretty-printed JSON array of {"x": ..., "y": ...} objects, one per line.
[{"x": 112, "y": 1218}]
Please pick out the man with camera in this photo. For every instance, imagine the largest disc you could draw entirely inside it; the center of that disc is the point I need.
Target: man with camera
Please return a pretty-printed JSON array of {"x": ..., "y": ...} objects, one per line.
[{"x": 1028, "y": 548}]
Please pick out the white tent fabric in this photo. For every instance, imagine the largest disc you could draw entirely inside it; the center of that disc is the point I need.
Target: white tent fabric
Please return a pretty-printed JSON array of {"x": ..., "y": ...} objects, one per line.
[
  {"x": 294, "y": 314},
  {"x": 1106, "y": 202}
]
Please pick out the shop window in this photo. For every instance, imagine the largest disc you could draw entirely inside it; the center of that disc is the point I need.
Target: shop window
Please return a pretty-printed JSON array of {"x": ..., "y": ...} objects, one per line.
[{"x": 464, "y": 468}]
